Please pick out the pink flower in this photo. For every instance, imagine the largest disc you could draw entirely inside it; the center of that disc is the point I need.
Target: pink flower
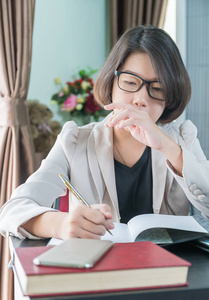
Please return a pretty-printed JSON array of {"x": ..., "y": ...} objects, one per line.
[
  {"x": 70, "y": 103},
  {"x": 61, "y": 94}
]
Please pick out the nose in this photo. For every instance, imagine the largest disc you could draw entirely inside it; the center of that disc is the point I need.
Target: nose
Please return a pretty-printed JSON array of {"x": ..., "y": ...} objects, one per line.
[{"x": 141, "y": 97}]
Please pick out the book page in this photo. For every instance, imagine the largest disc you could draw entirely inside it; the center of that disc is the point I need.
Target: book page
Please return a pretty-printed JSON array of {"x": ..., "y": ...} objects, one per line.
[
  {"x": 120, "y": 233},
  {"x": 142, "y": 222},
  {"x": 123, "y": 233}
]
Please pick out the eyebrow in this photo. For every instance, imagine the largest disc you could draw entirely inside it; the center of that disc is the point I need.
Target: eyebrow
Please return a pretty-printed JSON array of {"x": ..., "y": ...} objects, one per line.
[{"x": 153, "y": 79}]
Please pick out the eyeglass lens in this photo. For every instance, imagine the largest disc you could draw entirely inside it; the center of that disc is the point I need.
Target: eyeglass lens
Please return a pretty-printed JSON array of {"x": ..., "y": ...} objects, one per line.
[{"x": 131, "y": 83}]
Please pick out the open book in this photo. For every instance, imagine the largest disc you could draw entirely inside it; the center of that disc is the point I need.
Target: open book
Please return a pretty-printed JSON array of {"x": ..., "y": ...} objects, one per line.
[{"x": 159, "y": 229}]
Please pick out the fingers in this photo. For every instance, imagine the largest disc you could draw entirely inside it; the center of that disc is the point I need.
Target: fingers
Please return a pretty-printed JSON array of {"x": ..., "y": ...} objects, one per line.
[
  {"x": 138, "y": 122},
  {"x": 127, "y": 117},
  {"x": 101, "y": 215},
  {"x": 88, "y": 229},
  {"x": 116, "y": 105},
  {"x": 118, "y": 117},
  {"x": 104, "y": 209},
  {"x": 87, "y": 222}
]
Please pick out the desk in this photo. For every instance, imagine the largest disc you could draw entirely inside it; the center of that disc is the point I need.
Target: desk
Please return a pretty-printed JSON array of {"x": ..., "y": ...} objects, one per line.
[{"x": 198, "y": 278}]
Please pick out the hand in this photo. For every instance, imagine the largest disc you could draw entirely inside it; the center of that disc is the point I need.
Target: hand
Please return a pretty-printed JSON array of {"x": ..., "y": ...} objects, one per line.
[
  {"x": 144, "y": 129},
  {"x": 85, "y": 222},
  {"x": 138, "y": 123}
]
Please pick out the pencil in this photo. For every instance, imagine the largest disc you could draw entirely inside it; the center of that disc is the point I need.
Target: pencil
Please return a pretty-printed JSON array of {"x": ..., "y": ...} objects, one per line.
[{"x": 76, "y": 193}]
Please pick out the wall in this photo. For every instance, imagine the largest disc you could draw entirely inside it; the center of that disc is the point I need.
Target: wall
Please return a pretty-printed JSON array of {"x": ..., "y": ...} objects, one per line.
[
  {"x": 68, "y": 35},
  {"x": 197, "y": 21}
]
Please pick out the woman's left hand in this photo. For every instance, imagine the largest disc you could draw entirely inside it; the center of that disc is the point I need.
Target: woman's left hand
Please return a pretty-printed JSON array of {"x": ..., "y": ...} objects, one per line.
[
  {"x": 138, "y": 123},
  {"x": 144, "y": 129}
]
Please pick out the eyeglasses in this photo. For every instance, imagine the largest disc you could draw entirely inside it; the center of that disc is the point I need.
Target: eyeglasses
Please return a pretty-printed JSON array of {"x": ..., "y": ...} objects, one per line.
[{"x": 132, "y": 83}]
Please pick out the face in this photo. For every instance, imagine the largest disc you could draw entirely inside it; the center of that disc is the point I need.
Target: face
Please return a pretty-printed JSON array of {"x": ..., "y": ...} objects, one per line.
[{"x": 140, "y": 65}]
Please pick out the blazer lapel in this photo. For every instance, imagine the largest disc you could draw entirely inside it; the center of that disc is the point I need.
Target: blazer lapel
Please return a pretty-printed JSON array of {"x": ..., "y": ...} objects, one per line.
[
  {"x": 101, "y": 162},
  {"x": 159, "y": 172},
  {"x": 94, "y": 166}
]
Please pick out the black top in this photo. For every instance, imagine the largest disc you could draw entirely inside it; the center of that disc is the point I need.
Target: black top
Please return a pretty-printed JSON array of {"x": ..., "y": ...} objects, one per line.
[{"x": 134, "y": 187}]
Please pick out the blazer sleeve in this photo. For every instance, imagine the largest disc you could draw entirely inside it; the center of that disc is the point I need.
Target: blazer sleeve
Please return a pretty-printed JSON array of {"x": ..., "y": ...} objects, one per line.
[
  {"x": 41, "y": 189},
  {"x": 195, "y": 180}
]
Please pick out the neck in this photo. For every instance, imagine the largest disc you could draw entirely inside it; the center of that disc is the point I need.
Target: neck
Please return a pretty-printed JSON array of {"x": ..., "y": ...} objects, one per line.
[{"x": 126, "y": 148}]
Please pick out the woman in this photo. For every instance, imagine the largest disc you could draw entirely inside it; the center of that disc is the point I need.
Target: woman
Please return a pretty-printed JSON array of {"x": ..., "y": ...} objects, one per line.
[{"x": 135, "y": 161}]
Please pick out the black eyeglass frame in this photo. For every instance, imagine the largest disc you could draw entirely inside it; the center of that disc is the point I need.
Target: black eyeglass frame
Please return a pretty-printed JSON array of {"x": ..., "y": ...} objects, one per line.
[{"x": 117, "y": 73}]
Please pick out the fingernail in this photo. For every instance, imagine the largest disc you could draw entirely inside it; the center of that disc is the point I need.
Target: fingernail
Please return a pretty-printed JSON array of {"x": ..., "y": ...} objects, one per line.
[
  {"x": 108, "y": 213},
  {"x": 109, "y": 124},
  {"x": 107, "y": 106},
  {"x": 112, "y": 226}
]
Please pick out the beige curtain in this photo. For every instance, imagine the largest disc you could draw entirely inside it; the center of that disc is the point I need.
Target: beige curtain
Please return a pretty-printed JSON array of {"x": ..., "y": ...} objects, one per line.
[
  {"x": 125, "y": 14},
  {"x": 17, "y": 160}
]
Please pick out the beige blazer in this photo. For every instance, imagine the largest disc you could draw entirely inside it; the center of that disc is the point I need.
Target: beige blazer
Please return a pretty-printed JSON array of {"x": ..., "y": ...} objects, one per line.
[{"x": 85, "y": 155}]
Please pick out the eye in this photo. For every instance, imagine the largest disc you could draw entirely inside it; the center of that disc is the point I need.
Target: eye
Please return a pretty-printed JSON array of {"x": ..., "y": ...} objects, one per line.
[
  {"x": 157, "y": 89},
  {"x": 129, "y": 82}
]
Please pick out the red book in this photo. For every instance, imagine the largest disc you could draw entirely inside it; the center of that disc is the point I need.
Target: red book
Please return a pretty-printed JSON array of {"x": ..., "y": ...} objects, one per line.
[{"x": 126, "y": 266}]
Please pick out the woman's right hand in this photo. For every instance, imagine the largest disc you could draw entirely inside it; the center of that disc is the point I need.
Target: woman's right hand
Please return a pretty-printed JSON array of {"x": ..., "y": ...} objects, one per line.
[
  {"x": 81, "y": 222},
  {"x": 84, "y": 222}
]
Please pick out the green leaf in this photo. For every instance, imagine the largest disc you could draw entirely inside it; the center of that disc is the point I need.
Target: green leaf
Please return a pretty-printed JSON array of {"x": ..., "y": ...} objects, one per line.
[
  {"x": 82, "y": 73},
  {"x": 91, "y": 71},
  {"x": 55, "y": 97}
]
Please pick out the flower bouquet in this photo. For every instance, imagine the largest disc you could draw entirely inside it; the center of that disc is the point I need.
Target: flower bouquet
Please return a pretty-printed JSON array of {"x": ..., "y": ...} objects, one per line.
[{"x": 77, "y": 98}]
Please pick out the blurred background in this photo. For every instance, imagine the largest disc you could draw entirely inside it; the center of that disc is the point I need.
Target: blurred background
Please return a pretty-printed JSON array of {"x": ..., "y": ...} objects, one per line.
[
  {"x": 71, "y": 40},
  {"x": 70, "y": 35}
]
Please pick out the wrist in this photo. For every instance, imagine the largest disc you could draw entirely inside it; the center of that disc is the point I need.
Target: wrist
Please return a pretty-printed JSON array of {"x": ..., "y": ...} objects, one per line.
[
  {"x": 56, "y": 224},
  {"x": 174, "y": 156}
]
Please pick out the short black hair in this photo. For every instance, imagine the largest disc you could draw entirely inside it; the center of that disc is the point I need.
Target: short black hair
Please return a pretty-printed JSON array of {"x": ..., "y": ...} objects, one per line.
[{"x": 167, "y": 64}]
